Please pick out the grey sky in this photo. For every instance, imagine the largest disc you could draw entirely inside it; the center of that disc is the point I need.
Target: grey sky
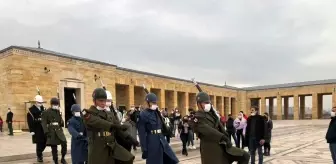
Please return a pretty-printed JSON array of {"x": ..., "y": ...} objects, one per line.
[{"x": 242, "y": 42}]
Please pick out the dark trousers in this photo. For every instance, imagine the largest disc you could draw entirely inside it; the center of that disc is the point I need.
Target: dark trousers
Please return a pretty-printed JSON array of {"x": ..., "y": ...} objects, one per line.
[
  {"x": 0, "y": 128},
  {"x": 233, "y": 134},
  {"x": 10, "y": 128},
  {"x": 63, "y": 151},
  {"x": 39, "y": 149},
  {"x": 332, "y": 148},
  {"x": 191, "y": 138},
  {"x": 253, "y": 146},
  {"x": 184, "y": 139},
  {"x": 240, "y": 137},
  {"x": 267, "y": 147},
  {"x": 168, "y": 138}
]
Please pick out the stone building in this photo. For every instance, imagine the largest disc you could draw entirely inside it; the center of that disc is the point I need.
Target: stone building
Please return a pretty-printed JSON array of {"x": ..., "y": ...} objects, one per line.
[{"x": 24, "y": 68}]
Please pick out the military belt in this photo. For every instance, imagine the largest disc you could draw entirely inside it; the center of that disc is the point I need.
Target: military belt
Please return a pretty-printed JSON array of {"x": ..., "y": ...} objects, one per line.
[
  {"x": 38, "y": 119},
  {"x": 104, "y": 134},
  {"x": 53, "y": 123},
  {"x": 158, "y": 131}
]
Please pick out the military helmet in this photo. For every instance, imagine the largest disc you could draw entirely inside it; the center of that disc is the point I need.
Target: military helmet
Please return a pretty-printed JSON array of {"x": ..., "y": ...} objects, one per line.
[
  {"x": 54, "y": 101},
  {"x": 203, "y": 97},
  {"x": 99, "y": 93},
  {"x": 151, "y": 97},
  {"x": 75, "y": 108}
]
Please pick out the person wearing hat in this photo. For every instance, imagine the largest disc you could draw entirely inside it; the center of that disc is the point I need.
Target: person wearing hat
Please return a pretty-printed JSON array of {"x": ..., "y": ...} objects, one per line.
[
  {"x": 216, "y": 146},
  {"x": 79, "y": 142},
  {"x": 35, "y": 127},
  {"x": 155, "y": 148},
  {"x": 52, "y": 123},
  {"x": 102, "y": 128}
]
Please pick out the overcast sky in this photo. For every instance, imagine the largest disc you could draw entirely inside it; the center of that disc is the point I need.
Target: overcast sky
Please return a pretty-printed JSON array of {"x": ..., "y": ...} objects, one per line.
[{"x": 244, "y": 43}]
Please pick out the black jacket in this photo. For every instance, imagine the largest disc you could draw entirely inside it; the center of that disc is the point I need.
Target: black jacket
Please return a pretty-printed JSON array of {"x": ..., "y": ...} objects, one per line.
[
  {"x": 331, "y": 133},
  {"x": 9, "y": 118},
  {"x": 229, "y": 125},
  {"x": 35, "y": 125},
  {"x": 260, "y": 128}
]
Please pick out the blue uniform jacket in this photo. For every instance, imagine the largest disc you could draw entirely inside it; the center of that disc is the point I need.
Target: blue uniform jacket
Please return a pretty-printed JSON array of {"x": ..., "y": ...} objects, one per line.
[
  {"x": 159, "y": 151},
  {"x": 79, "y": 143}
]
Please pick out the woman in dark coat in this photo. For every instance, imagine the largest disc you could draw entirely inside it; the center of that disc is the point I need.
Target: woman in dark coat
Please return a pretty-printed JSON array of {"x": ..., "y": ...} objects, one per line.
[
  {"x": 184, "y": 130},
  {"x": 269, "y": 127}
]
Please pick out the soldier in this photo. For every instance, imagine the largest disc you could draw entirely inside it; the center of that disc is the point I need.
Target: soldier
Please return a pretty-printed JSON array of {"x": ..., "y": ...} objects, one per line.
[
  {"x": 35, "y": 127},
  {"x": 52, "y": 123},
  {"x": 79, "y": 143},
  {"x": 216, "y": 146},
  {"x": 102, "y": 130},
  {"x": 117, "y": 115},
  {"x": 155, "y": 148}
]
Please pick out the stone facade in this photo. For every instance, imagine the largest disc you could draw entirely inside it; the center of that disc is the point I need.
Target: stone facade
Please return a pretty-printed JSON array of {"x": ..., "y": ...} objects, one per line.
[{"x": 22, "y": 70}]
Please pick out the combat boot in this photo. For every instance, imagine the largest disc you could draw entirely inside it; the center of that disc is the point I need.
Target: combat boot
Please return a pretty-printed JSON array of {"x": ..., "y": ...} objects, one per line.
[
  {"x": 39, "y": 159},
  {"x": 63, "y": 161}
]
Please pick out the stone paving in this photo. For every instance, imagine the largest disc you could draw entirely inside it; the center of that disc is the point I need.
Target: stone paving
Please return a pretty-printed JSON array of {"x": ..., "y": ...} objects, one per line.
[{"x": 293, "y": 142}]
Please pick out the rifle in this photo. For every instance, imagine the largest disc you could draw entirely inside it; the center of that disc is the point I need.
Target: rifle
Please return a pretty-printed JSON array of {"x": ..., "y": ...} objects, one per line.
[
  {"x": 74, "y": 96},
  {"x": 101, "y": 81},
  {"x": 212, "y": 110},
  {"x": 59, "y": 100},
  {"x": 164, "y": 126}
]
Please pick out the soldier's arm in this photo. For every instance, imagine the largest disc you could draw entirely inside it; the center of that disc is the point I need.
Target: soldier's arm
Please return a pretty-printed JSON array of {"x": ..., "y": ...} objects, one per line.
[
  {"x": 206, "y": 132},
  {"x": 44, "y": 122},
  {"x": 30, "y": 122},
  {"x": 72, "y": 130},
  {"x": 96, "y": 122},
  {"x": 142, "y": 131}
]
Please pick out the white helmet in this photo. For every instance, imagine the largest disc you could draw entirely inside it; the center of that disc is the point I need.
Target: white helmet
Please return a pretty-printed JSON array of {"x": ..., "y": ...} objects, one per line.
[
  {"x": 109, "y": 95},
  {"x": 39, "y": 99}
]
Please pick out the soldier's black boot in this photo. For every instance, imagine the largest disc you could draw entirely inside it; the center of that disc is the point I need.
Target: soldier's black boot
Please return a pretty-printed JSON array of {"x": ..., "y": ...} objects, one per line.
[
  {"x": 63, "y": 161},
  {"x": 40, "y": 159}
]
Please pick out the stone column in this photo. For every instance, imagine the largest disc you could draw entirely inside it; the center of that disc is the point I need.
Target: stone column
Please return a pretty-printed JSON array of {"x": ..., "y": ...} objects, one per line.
[
  {"x": 302, "y": 107},
  {"x": 271, "y": 107},
  {"x": 130, "y": 96},
  {"x": 222, "y": 109},
  {"x": 296, "y": 107},
  {"x": 162, "y": 98},
  {"x": 262, "y": 107},
  {"x": 175, "y": 100},
  {"x": 186, "y": 94},
  {"x": 314, "y": 106},
  {"x": 286, "y": 107},
  {"x": 214, "y": 103},
  {"x": 233, "y": 106},
  {"x": 248, "y": 105},
  {"x": 279, "y": 107}
]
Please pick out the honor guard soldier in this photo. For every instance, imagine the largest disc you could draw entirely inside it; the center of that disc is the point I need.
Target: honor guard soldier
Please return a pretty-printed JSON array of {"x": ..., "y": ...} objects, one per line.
[
  {"x": 79, "y": 143},
  {"x": 35, "y": 127},
  {"x": 52, "y": 123},
  {"x": 118, "y": 116},
  {"x": 155, "y": 148},
  {"x": 102, "y": 129},
  {"x": 216, "y": 146}
]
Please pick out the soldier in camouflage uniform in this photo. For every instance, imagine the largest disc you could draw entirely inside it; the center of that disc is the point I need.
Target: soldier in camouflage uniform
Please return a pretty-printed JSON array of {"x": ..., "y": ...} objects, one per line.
[
  {"x": 102, "y": 129},
  {"x": 52, "y": 123},
  {"x": 216, "y": 146}
]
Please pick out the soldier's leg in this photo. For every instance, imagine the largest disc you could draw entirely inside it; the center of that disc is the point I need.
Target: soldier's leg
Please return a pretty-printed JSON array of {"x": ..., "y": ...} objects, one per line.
[
  {"x": 64, "y": 150},
  {"x": 39, "y": 150},
  {"x": 54, "y": 153}
]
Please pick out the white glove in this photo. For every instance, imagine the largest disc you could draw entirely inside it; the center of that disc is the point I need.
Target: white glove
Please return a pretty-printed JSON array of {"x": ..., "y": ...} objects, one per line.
[{"x": 32, "y": 133}]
